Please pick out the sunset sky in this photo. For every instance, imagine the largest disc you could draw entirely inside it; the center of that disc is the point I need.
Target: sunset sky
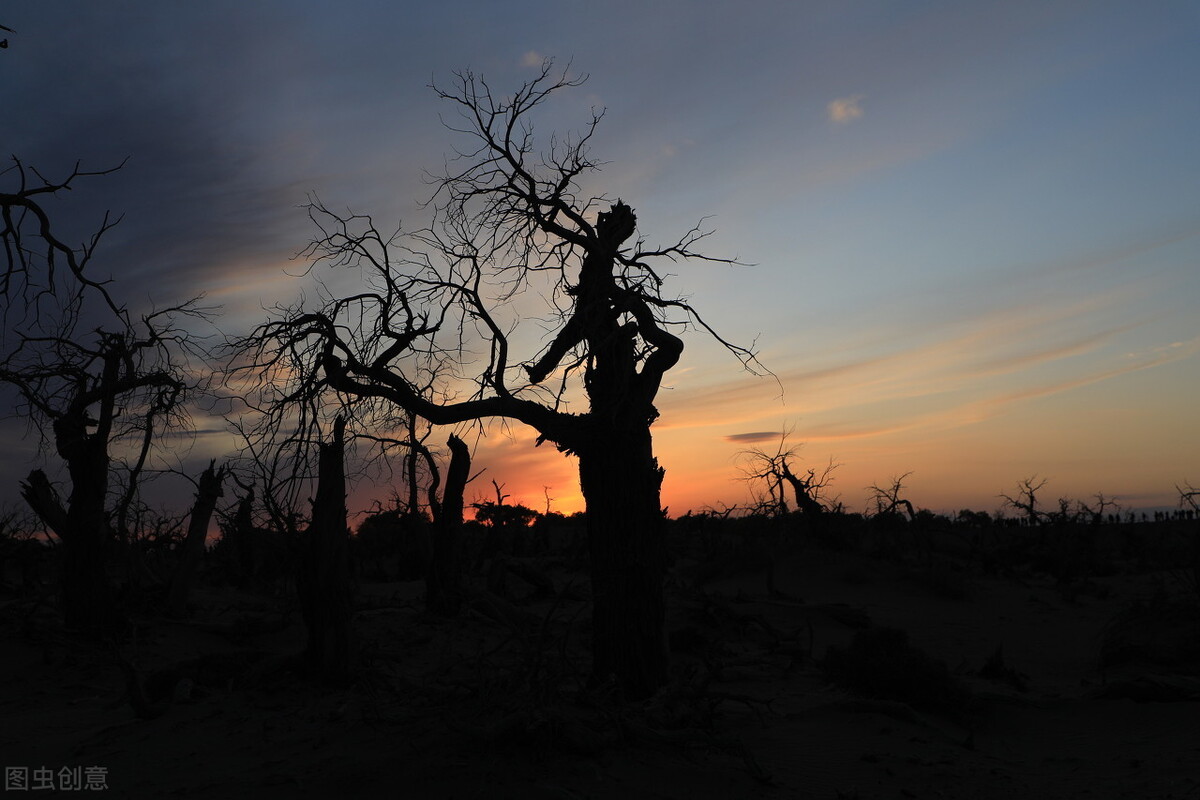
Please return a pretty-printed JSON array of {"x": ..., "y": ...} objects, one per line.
[{"x": 971, "y": 230}]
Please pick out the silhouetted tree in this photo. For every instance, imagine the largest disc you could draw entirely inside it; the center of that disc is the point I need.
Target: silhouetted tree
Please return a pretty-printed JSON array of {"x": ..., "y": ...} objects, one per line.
[
  {"x": 258, "y": 547},
  {"x": 88, "y": 376},
  {"x": 773, "y": 471},
  {"x": 508, "y": 225},
  {"x": 1104, "y": 506},
  {"x": 324, "y": 580},
  {"x": 506, "y": 524},
  {"x": 1189, "y": 498},
  {"x": 443, "y": 575},
  {"x": 1025, "y": 500},
  {"x": 975, "y": 519},
  {"x": 888, "y": 500},
  {"x": 433, "y": 526},
  {"x": 208, "y": 491}
]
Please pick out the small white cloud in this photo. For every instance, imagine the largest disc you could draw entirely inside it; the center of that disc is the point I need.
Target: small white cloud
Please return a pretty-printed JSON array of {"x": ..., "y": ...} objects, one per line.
[
  {"x": 532, "y": 58},
  {"x": 845, "y": 109}
]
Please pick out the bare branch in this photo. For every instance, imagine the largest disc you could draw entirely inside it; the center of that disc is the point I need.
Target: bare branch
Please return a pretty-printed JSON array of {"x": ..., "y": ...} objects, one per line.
[
  {"x": 1026, "y": 498},
  {"x": 773, "y": 472}
]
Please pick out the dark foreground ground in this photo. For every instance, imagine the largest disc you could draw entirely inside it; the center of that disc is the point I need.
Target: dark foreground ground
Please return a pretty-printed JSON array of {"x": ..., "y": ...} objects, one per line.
[{"x": 1051, "y": 688}]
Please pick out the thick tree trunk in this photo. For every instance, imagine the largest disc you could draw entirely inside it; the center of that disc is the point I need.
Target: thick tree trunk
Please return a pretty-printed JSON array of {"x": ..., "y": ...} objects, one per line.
[
  {"x": 804, "y": 499},
  {"x": 443, "y": 589},
  {"x": 192, "y": 549},
  {"x": 324, "y": 579},
  {"x": 621, "y": 482},
  {"x": 88, "y": 602}
]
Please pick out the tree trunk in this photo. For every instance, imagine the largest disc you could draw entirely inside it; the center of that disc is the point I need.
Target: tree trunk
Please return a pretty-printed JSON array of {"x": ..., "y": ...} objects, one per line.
[
  {"x": 87, "y": 598},
  {"x": 443, "y": 590},
  {"x": 804, "y": 499},
  {"x": 88, "y": 603},
  {"x": 621, "y": 482},
  {"x": 324, "y": 580},
  {"x": 192, "y": 549},
  {"x": 240, "y": 540}
]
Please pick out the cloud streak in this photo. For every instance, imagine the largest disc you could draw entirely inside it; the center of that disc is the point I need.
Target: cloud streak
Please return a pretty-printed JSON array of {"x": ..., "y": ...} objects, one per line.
[
  {"x": 964, "y": 375},
  {"x": 751, "y": 438}
]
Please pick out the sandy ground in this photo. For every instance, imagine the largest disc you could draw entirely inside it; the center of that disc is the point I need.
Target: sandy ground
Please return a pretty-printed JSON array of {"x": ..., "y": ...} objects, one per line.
[{"x": 475, "y": 709}]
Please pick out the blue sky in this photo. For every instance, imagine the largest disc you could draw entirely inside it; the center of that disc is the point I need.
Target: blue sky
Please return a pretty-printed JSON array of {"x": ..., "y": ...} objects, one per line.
[{"x": 972, "y": 230}]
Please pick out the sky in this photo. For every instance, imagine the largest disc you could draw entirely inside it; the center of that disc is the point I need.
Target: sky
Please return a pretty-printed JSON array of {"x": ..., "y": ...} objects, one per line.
[{"x": 970, "y": 232}]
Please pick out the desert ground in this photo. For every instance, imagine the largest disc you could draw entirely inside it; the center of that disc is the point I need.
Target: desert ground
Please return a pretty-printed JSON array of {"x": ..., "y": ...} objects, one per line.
[{"x": 858, "y": 671}]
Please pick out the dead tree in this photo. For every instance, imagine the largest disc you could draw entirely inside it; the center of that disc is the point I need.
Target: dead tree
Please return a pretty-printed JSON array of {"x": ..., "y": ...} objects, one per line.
[
  {"x": 440, "y": 528},
  {"x": 1189, "y": 498},
  {"x": 443, "y": 575},
  {"x": 89, "y": 375},
  {"x": 1026, "y": 499},
  {"x": 1105, "y": 506},
  {"x": 324, "y": 580},
  {"x": 105, "y": 380},
  {"x": 888, "y": 501},
  {"x": 191, "y": 551},
  {"x": 508, "y": 223},
  {"x": 773, "y": 472}
]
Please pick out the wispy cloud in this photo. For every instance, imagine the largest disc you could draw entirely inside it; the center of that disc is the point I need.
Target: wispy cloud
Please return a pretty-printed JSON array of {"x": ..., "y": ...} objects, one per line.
[
  {"x": 532, "y": 58},
  {"x": 957, "y": 373},
  {"x": 1135, "y": 362},
  {"x": 845, "y": 109},
  {"x": 1001, "y": 365},
  {"x": 840, "y": 432},
  {"x": 751, "y": 438}
]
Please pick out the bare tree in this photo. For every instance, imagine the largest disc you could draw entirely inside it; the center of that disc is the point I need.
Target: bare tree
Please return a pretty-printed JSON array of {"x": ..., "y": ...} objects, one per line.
[
  {"x": 888, "y": 499},
  {"x": 1026, "y": 498},
  {"x": 324, "y": 580},
  {"x": 208, "y": 491},
  {"x": 773, "y": 471},
  {"x": 276, "y": 472},
  {"x": 1078, "y": 512},
  {"x": 95, "y": 382},
  {"x": 509, "y": 225},
  {"x": 1103, "y": 506},
  {"x": 1189, "y": 497},
  {"x": 443, "y": 573}
]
